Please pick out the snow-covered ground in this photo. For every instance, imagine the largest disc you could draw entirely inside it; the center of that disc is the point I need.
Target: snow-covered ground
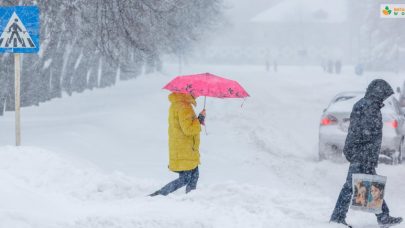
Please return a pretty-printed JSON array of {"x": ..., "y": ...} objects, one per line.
[{"x": 90, "y": 160}]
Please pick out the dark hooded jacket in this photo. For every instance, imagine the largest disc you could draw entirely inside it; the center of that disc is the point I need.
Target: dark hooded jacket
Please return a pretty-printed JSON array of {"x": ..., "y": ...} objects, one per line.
[{"x": 363, "y": 141}]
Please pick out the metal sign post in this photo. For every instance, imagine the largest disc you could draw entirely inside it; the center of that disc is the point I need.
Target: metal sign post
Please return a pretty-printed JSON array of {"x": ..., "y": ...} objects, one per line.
[
  {"x": 19, "y": 27},
  {"x": 17, "y": 99}
]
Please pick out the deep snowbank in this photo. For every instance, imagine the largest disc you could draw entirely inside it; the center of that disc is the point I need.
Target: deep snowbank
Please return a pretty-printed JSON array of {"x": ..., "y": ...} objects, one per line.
[{"x": 44, "y": 189}]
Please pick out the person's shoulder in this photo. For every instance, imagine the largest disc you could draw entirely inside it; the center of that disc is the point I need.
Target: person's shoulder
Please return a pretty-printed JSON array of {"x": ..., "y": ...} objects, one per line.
[
  {"x": 184, "y": 107},
  {"x": 360, "y": 105},
  {"x": 184, "y": 104},
  {"x": 364, "y": 103}
]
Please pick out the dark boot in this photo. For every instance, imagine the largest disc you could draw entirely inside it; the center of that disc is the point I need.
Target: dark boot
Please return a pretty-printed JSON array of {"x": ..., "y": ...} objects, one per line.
[
  {"x": 343, "y": 222},
  {"x": 387, "y": 221},
  {"x": 155, "y": 194}
]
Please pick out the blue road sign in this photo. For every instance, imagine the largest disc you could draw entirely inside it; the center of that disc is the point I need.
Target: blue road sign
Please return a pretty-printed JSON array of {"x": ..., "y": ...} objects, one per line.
[{"x": 19, "y": 29}]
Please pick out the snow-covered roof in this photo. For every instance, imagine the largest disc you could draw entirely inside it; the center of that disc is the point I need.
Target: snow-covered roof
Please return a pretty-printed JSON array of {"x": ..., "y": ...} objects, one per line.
[{"x": 308, "y": 11}]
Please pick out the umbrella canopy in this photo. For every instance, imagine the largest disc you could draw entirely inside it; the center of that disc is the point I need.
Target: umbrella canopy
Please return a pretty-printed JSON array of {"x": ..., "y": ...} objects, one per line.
[{"x": 206, "y": 84}]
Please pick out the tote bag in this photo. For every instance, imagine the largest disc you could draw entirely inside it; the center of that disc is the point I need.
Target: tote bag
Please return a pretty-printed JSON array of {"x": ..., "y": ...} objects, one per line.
[{"x": 368, "y": 192}]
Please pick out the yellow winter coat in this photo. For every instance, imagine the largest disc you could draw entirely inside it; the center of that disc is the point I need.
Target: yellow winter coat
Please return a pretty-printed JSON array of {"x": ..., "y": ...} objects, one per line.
[{"x": 184, "y": 133}]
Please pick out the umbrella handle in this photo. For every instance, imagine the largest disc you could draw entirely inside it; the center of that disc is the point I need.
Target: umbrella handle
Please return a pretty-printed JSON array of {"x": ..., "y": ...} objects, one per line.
[
  {"x": 244, "y": 99},
  {"x": 205, "y": 126}
]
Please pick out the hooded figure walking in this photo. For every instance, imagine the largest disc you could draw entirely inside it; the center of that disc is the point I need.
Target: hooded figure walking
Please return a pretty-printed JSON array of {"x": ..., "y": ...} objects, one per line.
[
  {"x": 184, "y": 143},
  {"x": 362, "y": 148}
]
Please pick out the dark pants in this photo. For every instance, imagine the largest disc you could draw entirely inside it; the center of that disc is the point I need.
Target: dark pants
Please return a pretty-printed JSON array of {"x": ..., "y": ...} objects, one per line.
[
  {"x": 343, "y": 202},
  {"x": 186, "y": 178}
]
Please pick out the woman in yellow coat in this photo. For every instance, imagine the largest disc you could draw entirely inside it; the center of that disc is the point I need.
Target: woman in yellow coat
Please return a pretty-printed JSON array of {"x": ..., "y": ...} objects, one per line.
[{"x": 184, "y": 143}]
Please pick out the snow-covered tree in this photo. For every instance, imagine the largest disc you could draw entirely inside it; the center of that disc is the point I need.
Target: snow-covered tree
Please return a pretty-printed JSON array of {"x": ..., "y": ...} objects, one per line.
[{"x": 86, "y": 44}]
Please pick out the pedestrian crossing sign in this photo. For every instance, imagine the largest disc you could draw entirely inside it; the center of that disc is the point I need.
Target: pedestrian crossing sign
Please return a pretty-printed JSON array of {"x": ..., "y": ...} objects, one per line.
[{"x": 19, "y": 29}]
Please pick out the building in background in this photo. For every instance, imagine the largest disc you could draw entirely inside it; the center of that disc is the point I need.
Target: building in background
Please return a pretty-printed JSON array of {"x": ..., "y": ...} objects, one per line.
[
  {"x": 305, "y": 32},
  {"x": 288, "y": 32}
]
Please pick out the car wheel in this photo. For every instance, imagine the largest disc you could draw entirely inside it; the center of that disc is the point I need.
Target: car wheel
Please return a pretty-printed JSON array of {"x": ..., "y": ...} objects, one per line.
[
  {"x": 321, "y": 152},
  {"x": 401, "y": 150}
]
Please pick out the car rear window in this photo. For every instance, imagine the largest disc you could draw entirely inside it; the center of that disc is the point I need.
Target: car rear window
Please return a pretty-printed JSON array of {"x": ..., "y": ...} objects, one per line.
[
  {"x": 391, "y": 105},
  {"x": 343, "y": 98},
  {"x": 345, "y": 103}
]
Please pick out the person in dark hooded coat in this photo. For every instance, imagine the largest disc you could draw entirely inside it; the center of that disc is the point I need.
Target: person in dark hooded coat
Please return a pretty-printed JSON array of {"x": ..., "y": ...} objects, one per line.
[{"x": 362, "y": 148}]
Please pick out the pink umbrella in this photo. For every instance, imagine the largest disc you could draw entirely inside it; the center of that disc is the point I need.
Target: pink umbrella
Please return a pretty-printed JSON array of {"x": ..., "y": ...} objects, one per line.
[{"x": 208, "y": 85}]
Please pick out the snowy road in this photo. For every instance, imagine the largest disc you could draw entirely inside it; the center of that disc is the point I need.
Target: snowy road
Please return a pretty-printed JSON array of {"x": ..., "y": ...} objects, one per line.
[{"x": 90, "y": 160}]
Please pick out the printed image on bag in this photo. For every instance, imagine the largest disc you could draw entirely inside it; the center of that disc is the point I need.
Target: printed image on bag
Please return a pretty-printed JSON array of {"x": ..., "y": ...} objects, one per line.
[{"x": 368, "y": 192}]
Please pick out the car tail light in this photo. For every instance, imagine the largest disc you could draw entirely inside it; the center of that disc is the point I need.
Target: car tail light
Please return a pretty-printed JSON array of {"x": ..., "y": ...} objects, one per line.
[
  {"x": 393, "y": 124},
  {"x": 328, "y": 120}
]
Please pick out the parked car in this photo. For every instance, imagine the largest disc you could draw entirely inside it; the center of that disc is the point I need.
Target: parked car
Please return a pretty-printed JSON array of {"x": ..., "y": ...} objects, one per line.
[
  {"x": 335, "y": 122},
  {"x": 401, "y": 97}
]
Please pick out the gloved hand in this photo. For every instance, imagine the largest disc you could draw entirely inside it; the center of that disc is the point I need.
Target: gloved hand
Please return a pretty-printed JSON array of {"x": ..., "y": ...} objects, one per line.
[{"x": 201, "y": 117}]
